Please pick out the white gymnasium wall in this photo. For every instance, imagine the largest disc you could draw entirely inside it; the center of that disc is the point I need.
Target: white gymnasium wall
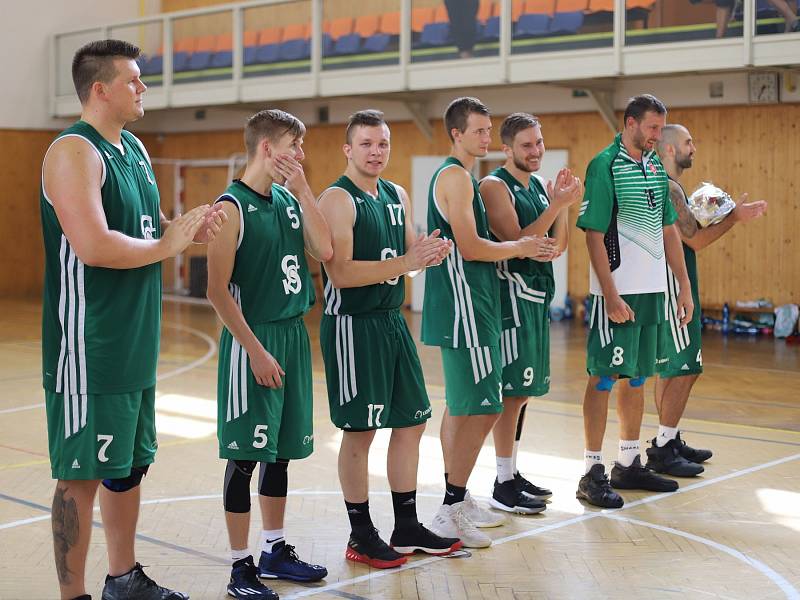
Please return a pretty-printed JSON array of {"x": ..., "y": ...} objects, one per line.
[{"x": 25, "y": 50}]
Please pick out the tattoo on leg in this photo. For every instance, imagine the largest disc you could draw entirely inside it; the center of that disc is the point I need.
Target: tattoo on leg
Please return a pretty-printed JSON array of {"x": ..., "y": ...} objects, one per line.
[{"x": 65, "y": 531}]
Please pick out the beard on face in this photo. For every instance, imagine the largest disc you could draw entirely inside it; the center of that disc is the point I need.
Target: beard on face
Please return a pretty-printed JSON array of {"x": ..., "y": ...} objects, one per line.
[
  {"x": 521, "y": 165},
  {"x": 684, "y": 161}
]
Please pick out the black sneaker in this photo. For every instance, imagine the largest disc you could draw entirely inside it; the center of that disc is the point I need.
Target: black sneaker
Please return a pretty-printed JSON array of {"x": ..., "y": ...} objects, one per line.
[
  {"x": 637, "y": 477},
  {"x": 245, "y": 583},
  {"x": 508, "y": 497},
  {"x": 135, "y": 585},
  {"x": 696, "y": 455},
  {"x": 408, "y": 539},
  {"x": 667, "y": 459},
  {"x": 527, "y": 488},
  {"x": 595, "y": 489},
  {"x": 283, "y": 563},
  {"x": 370, "y": 549}
]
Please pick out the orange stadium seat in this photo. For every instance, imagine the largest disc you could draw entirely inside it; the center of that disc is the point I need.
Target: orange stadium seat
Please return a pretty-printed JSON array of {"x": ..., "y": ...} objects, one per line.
[
  {"x": 541, "y": 7},
  {"x": 486, "y": 10},
  {"x": 517, "y": 8},
  {"x": 646, "y": 4},
  {"x": 186, "y": 44},
  {"x": 250, "y": 39},
  {"x": 205, "y": 43},
  {"x": 341, "y": 27},
  {"x": 223, "y": 43},
  {"x": 298, "y": 31},
  {"x": 367, "y": 25},
  {"x": 421, "y": 17},
  {"x": 272, "y": 35},
  {"x": 601, "y": 5},
  {"x": 390, "y": 23},
  {"x": 571, "y": 5},
  {"x": 440, "y": 15}
]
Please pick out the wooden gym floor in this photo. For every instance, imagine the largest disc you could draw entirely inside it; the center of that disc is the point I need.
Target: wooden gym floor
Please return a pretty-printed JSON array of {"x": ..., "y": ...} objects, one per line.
[{"x": 731, "y": 533}]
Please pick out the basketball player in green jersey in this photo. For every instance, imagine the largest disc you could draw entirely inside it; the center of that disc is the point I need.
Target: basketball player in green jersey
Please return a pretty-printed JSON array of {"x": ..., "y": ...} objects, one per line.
[
  {"x": 520, "y": 203},
  {"x": 461, "y": 315},
  {"x": 260, "y": 286},
  {"x": 104, "y": 238},
  {"x": 668, "y": 453},
  {"x": 372, "y": 369},
  {"x": 628, "y": 220}
]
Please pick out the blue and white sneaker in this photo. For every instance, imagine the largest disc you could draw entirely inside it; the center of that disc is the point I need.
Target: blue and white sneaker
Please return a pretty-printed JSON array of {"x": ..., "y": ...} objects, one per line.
[
  {"x": 283, "y": 563},
  {"x": 245, "y": 583}
]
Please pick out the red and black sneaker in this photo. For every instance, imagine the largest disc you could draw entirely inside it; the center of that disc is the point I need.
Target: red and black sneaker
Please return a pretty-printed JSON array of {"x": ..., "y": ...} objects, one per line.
[
  {"x": 370, "y": 549},
  {"x": 408, "y": 539}
]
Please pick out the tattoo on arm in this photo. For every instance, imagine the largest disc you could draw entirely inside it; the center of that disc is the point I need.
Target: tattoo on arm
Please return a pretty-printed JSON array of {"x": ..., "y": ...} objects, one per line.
[
  {"x": 65, "y": 532},
  {"x": 686, "y": 222}
]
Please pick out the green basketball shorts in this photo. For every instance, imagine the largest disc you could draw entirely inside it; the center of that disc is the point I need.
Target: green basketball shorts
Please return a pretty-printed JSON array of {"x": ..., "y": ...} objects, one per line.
[
  {"x": 624, "y": 350},
  {"x": 473, "y": 380},
  {"x": 263, "y": 424},
  {"x": 100, "y": 436},
  {"x": 684, "y": 348},
  {"x": 373, "y": 372}
]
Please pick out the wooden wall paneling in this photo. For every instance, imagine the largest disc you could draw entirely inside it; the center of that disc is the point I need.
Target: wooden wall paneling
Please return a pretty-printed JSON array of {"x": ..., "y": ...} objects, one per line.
[{"x": 22, "y": 251}]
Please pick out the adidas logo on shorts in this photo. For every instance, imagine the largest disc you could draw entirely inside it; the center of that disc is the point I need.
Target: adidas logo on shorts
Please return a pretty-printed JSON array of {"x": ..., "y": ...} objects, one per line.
[
  {"x": 233, "y": 446},
  {"x": 346, "y": 426},
  {"x": 685, "y": 367},
  {"x": 508, "y": 387},
  {"x": 486, "y": 402},
  {"x": 76, "y": 464}
]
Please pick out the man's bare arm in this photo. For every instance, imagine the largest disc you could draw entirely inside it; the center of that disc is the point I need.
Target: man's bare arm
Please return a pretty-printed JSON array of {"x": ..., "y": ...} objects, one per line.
[
  {"x": 72, "y": 176},
  {"x": 687, "y": 224}
]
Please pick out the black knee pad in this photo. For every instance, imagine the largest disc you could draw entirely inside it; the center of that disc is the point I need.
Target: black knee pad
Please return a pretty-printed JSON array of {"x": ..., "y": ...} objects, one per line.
[
  {"x": 236, "y": 490},
  {"x": 273, "y": 480},
  {"x": 123, "y": 484}
]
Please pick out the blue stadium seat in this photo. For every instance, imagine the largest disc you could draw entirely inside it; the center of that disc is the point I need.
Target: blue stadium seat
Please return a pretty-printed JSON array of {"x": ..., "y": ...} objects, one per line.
[
  {"x": 434, "y": 34},
  {"x": 198, "y": 61},
  {"x": 491, "y": 30},
  {"x": 222, "y": 59},
  {"x": 153, "y": 65},
  {"x": 566, "y": 22},
  {"x": 294, "y": 50},
  {"x": 531, "y": 24},
  {"x": 347, "y": 44},
  {"x": 250, "y": 54},
  {"x": 268, "y": 53},
  {"x": 180, "y": 61},
  {"x": 377, "y": 43}
]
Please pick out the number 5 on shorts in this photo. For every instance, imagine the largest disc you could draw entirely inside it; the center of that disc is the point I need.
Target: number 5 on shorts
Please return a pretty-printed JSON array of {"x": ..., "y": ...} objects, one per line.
[{"x": 260, "y": 436}]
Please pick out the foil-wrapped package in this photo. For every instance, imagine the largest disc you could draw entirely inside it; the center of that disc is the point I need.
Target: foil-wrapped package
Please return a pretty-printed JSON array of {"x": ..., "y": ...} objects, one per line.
[{"x": 709, "y": 204}]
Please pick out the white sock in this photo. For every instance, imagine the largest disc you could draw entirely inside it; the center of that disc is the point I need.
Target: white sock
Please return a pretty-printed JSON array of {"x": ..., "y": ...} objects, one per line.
[
  {"x": 591, "y": 458},
  {"x": 269, "y": 538},
  {"x": 505, "y": 468},
  {"x": 665, "y": 434},
  {"x": 239, "y": 554},
  {"x": 514, "y": 468},
  {"x": 628, "y": 451}
]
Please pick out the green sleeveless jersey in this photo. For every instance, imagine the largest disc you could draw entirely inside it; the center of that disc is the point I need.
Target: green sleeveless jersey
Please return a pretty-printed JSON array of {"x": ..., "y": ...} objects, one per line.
[
  {"x": 101, "y": 327},
  {"x": 379, "y": 233},
  {"x": 462, "y": 298},
  {"x": 270, "y": 279},
  {"x": 529, "y": 204}
]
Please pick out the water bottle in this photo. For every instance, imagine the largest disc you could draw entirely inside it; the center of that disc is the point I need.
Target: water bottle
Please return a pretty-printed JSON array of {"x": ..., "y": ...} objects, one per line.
[{"x": 726, "y": 317}]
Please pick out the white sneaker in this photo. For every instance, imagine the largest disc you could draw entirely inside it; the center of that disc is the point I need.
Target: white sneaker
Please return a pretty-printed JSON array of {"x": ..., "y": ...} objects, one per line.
[
  {"x": 481, "y": 517},
  {"x": 451, "y": 521}
]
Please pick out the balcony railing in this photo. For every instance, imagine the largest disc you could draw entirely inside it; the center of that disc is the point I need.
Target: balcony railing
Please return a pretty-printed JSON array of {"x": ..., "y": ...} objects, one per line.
[{"x": 278, "y": 49}]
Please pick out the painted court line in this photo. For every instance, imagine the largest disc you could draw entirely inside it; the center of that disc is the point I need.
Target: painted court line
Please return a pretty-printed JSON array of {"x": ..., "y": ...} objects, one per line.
[
  {"x": 788, "y": 590},
  {"x": 212, "y": 349},
  {"x": 554, "y": 526}
]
